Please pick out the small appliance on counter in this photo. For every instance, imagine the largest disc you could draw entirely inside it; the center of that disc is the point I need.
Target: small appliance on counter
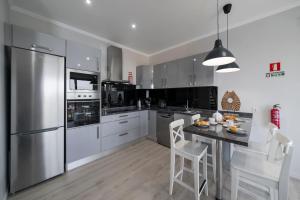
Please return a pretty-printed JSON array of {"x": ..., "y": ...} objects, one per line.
[
  {"x": 118, "y": 94},
  {"x": 148, "y": 102},
  {"x": 162, "y": 103}
]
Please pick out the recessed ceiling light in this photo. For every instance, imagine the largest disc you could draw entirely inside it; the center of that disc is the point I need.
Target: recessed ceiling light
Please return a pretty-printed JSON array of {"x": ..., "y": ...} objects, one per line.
[
  {"x": 89, "y": 2},
  {"x": 133, "y": 26},
  {"x": 88, "y": 58}
]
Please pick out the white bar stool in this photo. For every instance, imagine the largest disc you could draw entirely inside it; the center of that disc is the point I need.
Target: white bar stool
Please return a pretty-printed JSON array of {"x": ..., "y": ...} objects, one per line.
[
  {"x": 261, "y": 148},
  {"x": 187, "y": 150},
  {"x": 271, "y": 174},
  {"x": 211, "y": 142}
]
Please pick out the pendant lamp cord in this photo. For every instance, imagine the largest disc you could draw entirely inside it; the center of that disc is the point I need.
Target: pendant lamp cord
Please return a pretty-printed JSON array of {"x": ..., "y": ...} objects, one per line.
[
  {"x": 218, "y": 19},
  {"x": 227, "y": 34}
]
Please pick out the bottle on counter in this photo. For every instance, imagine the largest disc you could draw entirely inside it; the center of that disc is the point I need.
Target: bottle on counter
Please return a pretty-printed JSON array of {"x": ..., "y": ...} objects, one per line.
[{"x": 139, "y": 104}]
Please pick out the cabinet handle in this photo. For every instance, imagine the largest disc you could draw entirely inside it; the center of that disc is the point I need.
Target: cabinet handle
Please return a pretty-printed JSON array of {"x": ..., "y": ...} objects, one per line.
[
  {"x": 123, "y": 116},
  {"x": 98, "y": 133},
  {"x": 123, "y": 134},
  {"x": 35, "y": 46},
  {"x": 123, "y": 122}
]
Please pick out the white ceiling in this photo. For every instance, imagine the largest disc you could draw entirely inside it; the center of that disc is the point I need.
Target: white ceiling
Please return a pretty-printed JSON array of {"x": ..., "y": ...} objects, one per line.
[{"x": 161, "y": 24}]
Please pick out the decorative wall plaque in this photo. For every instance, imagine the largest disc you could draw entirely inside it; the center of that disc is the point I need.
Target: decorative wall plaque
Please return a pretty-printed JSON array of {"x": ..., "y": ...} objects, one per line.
[{"x": 231, "y": 101}]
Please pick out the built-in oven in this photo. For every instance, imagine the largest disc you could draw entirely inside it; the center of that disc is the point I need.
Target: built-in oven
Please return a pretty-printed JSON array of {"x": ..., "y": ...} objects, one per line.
[
  {"x": 83, "y": 112},
  {"x": 83, "y": 84}
]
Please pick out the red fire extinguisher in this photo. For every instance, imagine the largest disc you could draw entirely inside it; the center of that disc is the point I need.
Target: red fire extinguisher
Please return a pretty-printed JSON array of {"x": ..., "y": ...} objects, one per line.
[{"x": 275, "y": 115}]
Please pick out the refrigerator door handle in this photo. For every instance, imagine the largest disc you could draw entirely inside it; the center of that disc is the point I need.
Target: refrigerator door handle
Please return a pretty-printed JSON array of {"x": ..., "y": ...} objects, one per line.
[{"x": 38, "y": 131}]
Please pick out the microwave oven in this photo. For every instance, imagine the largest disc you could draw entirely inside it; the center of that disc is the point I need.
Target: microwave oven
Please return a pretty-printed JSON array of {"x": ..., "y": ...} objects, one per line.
[{"x": 82, "y": 84}]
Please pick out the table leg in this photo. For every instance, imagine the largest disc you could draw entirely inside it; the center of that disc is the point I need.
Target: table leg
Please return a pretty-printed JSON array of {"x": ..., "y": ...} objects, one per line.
[{"x": 219, "y": 175}]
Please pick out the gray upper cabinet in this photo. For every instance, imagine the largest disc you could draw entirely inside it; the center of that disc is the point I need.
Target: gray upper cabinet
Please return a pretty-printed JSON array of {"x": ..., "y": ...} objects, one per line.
[
  {"x": 82, "y": 142},
  {"x": 82, "y": 57},
  {"x": 186, "y": 72},
  {"x": 29, "y": 39},
  {"x": 144, "y": 77},
  {"x": 172, "y": 75},
  {"x": 160, "y": 75},
  {"x": 203, "y": 75},
  {"x": 166, "y": 75}
]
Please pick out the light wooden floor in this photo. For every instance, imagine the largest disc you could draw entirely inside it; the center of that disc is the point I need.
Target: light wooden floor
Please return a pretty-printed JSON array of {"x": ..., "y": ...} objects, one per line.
[{"x": 139, "y": 172}]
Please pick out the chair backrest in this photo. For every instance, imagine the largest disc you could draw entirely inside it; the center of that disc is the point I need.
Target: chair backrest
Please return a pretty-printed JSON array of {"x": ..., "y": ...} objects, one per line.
[
  {"x": 176, "y": 131},
  {"x": 195, "y": 117},
  {"x": 273, "y": 129},
  {"x": 285, "y": 175},
  {"x": 279, "y": 147}
]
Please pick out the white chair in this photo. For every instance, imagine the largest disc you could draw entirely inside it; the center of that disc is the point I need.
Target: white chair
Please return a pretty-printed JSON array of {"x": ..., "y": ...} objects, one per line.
[
  {"x": 187, "y": 150},
  {"x": 212, "y": 142},
  {"x": 270, "y": 175},
  {"x": 261, "y": 148}
]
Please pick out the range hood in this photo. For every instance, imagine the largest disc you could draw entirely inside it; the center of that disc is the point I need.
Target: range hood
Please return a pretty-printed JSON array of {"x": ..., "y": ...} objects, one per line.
[{"x": 114, "y": 65}]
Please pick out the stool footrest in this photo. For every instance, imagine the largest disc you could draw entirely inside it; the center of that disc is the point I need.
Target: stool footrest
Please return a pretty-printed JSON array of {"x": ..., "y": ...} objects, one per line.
[{"x": 202, "y": 181}]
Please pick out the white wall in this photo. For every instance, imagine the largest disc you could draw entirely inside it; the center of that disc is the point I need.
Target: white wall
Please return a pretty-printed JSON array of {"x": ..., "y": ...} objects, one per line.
[
  {"x": 130, "y": 59},
  {"x": 255, "y": 45},
  {"x": 3, "y": 131}
]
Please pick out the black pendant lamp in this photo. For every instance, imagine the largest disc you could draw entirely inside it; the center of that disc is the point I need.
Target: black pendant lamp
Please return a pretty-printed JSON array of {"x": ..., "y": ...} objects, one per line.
[
  {"x": 232, "y": 67},
  {"x": 219, "y": 55}
]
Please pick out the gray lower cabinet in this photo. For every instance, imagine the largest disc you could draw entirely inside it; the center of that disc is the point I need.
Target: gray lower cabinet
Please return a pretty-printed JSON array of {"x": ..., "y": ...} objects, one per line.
[
  {"x": 82, "y": 142},
  {"x": 82, "y": 57},
  {"x": 121, "y": 128},
  {"x": 117, "y": 139},
  {"x": 144, "y": 123},
  {"x": 152, "y": 125},
  {"x": 29, "y": 39},
  {"x": 123, "y": 125}
]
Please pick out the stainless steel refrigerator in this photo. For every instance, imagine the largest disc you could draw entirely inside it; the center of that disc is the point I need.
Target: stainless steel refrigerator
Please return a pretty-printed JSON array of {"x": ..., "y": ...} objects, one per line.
[{"x": 36, "y": 117}]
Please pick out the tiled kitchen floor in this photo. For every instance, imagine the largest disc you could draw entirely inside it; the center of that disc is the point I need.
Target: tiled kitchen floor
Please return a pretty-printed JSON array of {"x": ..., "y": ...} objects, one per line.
[{"x": 139, "y": 172}]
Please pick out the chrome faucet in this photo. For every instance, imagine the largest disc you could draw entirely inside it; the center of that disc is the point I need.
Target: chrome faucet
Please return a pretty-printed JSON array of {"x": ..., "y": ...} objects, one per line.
[{"x": 187, "y": 105}]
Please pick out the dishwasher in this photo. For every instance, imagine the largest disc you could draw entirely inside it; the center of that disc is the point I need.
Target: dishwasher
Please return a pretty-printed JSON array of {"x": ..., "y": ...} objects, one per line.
[{"x": 163, "y": 119}]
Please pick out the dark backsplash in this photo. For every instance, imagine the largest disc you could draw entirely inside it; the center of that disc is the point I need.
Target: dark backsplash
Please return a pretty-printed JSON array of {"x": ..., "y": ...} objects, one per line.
[{"x": 198, "y": 97}]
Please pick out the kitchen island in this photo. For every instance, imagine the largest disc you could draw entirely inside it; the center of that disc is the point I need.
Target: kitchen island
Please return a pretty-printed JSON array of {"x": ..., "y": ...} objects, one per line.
[{"x": 220, "y": 133}]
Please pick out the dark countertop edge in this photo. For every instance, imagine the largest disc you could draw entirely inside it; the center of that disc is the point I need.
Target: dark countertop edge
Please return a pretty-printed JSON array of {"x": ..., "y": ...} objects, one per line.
[
  {"x": 179, "y": 111},
  {"x": 218, "y": 138}
]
